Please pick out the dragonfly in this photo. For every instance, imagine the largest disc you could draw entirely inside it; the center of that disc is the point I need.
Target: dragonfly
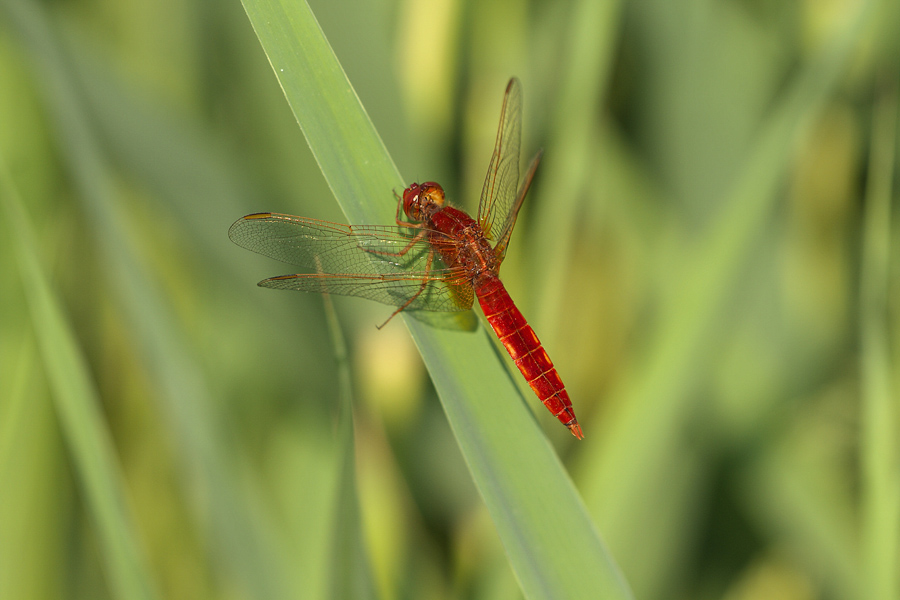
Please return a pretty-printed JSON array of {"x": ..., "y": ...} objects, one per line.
[{"x": 436, "y": 259}]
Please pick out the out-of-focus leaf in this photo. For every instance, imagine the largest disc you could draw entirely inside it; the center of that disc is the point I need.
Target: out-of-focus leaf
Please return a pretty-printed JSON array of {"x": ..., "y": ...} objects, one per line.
[{"x": 78, "y": 409}]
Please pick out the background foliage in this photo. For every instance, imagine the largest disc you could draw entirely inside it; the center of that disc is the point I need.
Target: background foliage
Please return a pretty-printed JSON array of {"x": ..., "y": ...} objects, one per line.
[{"x": 705, "y": 254}]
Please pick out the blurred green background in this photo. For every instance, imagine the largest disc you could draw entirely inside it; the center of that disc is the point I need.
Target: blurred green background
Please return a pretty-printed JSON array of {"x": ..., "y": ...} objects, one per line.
[{"x": 705, "y": 254}]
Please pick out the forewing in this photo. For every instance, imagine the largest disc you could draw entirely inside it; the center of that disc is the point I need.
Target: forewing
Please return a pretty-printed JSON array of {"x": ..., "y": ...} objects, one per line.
[
  {"x": 506, "y": 231},
  {"x": 364, "y": 261},
  {"x": 498, "y": 195},
  {"x": 327, "y": 247}
]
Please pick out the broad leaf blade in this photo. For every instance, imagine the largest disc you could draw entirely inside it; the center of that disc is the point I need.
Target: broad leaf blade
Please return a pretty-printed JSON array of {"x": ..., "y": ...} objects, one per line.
[{"x": 551, "y": 542}]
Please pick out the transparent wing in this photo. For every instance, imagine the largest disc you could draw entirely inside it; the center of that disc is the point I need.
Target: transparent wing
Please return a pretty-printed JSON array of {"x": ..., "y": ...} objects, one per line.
[
  {"x": 369, "y": 261},
  {"x": 435, "y": 295},
  {"x": 506, "y": 232},
  {"x": 498, "y": 196}
]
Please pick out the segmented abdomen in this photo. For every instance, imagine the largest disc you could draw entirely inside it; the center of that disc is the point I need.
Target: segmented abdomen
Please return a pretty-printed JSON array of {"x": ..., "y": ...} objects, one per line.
[{"x": 525, "y": 349}]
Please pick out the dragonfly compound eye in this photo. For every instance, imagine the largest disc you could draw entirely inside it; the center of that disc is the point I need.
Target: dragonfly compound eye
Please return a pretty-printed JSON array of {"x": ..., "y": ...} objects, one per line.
[{"x": 412, "y": 205}]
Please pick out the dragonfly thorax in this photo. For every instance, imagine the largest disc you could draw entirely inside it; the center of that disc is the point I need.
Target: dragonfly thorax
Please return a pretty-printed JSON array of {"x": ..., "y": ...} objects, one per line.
[{"x": 421, "y": 200}]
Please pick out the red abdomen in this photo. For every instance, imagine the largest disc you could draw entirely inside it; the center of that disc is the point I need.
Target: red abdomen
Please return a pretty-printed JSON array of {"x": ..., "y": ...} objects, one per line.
[{"x": 525, "y": 349}]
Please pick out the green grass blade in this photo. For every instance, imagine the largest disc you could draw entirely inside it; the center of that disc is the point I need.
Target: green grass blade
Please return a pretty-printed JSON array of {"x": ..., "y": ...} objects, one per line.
[
  {"x": 33, "y": 507},
  {"x": 879, "y": 425},
  {"x": 13, "y": 416},
  {"x": 551, "y": 542},
  {"x": 350, "y": 575},
  {"x": 587, "y": 63},
  {"x": 237, "y": 538},
  {"x": 654, "y": 400},
  {"x": 77, "y": 407}
]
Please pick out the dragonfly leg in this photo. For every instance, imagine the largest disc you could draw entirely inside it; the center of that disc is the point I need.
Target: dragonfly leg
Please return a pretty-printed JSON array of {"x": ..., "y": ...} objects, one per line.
[
  {"x": 425, "y": 281},
  {"x": 412, "y": 242},
  {"x": 399, "y": 204},
  {"x": 404, "y": 250}
]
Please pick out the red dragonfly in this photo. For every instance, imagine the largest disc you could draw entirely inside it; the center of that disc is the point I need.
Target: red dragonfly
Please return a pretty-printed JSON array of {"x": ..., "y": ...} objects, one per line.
[{"x": 438, "y": 260}]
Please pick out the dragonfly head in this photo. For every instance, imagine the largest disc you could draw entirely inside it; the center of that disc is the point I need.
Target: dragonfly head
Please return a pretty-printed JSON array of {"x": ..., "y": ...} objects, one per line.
[{"x": 418, "y": 197}]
